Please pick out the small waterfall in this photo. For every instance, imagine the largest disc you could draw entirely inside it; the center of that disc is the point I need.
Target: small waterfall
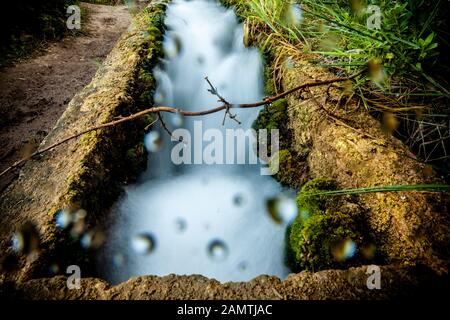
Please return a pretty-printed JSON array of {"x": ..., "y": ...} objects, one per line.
[{"x": 199, "y": 219}]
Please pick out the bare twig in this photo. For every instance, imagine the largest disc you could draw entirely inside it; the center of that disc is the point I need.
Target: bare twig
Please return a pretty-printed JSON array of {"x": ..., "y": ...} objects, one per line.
[
  {"x": 214, "y": 91},
  {"x": 226, "y": 106},
  {"x": 164, "y": 126}
]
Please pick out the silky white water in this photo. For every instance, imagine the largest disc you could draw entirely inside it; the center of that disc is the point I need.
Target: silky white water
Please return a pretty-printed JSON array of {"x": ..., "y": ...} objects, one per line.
[{"x": 199, "y": 219}]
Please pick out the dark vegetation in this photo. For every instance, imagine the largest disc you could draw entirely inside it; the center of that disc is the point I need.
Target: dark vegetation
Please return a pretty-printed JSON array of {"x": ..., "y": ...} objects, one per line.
[{"x": 26, "y": 25}]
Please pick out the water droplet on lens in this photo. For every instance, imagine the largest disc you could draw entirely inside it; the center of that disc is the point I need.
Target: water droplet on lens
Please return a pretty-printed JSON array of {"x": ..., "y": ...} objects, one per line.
[
  {"x": 282, "y": 209},
  {"x": 177, "y": 120},
  {"x": 153, "y": 141},
  {"x": 238, "y": 200},
  {"x": 158, "y": 98},
  {"x": 92, "y": 240},
  {"x": 289, "y": 63},
  {"x": 143, "y": 243},
  {"x": 26, "y": 239},
  {"x": 63, "y": 219},
  {"x": 368, "y": 251},
  {"x": 180, "y": 224},
  {"x": 53, "y": 269},
  {"x": 79, "y": 223},
  {"x": 243, "y": 266},
  {"x": 344, "y": 250},
  {"x": 173, "y": 46},
  {"x": 118, "y": 260},
  {"x": 293, "y": 15},
  {"x": 304, "y": 215},
  {"x": 200, "y": 60},
  {"x": 349, "y": 249},
  {"x": 217, "y": 250}
]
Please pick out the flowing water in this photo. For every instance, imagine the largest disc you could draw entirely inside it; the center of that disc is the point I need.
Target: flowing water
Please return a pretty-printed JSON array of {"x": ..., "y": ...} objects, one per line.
[{"x": 200, "y": 219}]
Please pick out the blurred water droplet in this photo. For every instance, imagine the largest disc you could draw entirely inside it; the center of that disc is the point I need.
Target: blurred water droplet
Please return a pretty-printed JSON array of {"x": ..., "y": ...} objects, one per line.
[
  {"x": 344, "y": 250},
  {"x": 293, "y": 15},
  {"x": 92, "y": 240},
  {"x": 143, "y": 243},
  {"x": 376, "y": 71},
  {"x": 329, "y": 42},
  {"x": 357, "y": 6},
  {"x": 180, "y": 224},
  {"x": 53, "y": 269},
  {"x": 153, "y": 141},
  {"x": 217, "y": 250},
  {"x": 173, "y": 46},
  {"x": 80, "y": 214},
  {"x": 428, "y": 171},
  {"x": 289, "y": 63},
  {"x": 368, "y": 251},
  {"x": 63, "y": 219},
  {"x": 282, "y": 209},
  {"x": 243, "y": 266},
  {"x": 304, "y": 215},
  {"x": 79, "y": 222},
  {"x": 200, "y": 60},
  {"x": 159, "y": 97},
  {"x": 26, "y": 239},
  {"x": 349, "y": 249},
  {"x": 177, "y": 120},
  {"x": 238, "y": 200},
  {"x": 390, "y": 122},
  {"x": 118, "y": 260}
]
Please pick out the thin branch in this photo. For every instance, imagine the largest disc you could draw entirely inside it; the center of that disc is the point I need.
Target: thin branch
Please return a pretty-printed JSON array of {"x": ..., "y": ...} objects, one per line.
[
  {"x": 214, "y": 91},
  {"x": 226, "y": 106}
]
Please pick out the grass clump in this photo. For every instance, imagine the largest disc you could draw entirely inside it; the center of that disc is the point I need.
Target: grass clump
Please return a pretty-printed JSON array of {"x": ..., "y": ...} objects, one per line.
[{"x": 406, "y": 56}]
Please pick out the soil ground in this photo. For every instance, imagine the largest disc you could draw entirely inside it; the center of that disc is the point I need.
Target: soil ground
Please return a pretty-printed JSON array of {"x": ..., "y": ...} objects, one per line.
[{"x": 34, "y": 93}]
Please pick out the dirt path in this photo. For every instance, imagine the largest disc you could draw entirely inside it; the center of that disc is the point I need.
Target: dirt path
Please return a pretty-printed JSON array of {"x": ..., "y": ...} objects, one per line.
[{"x": 34, "y": 93}]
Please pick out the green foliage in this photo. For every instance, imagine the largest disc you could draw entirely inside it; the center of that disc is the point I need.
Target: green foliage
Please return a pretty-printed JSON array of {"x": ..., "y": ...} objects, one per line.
[
  {"x": 407, "y": 59},
  {"x": 409, "y": 41},
  {"x": 25, "y": 22},
  {"x": 406, "y": 44}
]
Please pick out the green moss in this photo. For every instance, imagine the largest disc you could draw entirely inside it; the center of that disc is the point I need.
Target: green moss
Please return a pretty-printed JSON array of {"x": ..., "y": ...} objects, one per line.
[
  {"x": 316, "y": 203},
  {"x": 136, "y": 158},
  {"x": 269, "y": 86},
  {"x": 272, "y": 117},
  {"x": 147, "y": 120},
  {"x": 323, "y": 227},
  {"x": 290, "y": 170},
  {"x": 153, "y": 50}
]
